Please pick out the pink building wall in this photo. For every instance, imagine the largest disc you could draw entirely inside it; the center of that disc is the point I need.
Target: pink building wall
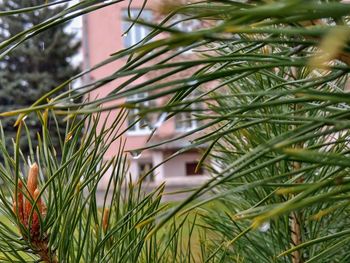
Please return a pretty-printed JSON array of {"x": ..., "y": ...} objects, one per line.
[{"x": 102, "y": 37}]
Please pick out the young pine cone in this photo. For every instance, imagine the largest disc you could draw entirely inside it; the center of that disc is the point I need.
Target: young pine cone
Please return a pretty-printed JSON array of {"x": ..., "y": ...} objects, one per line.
[{"x": 30, "y": 221}]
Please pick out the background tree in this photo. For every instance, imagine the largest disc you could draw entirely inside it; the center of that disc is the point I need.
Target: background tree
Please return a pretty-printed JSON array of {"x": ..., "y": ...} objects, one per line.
[{"x": 37, "y": 66}]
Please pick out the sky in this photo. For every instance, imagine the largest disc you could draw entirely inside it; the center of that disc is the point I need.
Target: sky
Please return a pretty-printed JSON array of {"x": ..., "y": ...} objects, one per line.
[
  {"x": 76, "y": 27},
  {"x": 76, "y": 24}
]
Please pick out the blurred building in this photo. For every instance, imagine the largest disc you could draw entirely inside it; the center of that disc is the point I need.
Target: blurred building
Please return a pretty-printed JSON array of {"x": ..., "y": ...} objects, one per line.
[{"x": 103, "y": 35}]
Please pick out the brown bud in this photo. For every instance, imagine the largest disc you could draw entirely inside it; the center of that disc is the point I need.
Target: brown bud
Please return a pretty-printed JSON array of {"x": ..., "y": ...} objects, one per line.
[
  {"x": 26, "y": 213},
  {"x": 35, "y": 223},
  {"x": 20, "y": 202},
  {"x": 32, "y": 182},
  {"x": 38, "y": 202}
]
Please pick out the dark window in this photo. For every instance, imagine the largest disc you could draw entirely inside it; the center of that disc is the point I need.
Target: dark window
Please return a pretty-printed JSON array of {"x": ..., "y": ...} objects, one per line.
[
  {"x": 144, "y": 169},
  {"x": 191, "y": 169}
]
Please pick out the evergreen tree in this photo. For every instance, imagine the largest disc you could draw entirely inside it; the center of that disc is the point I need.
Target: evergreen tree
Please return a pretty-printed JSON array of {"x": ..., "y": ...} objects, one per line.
[{"x": 37, "y": 66}]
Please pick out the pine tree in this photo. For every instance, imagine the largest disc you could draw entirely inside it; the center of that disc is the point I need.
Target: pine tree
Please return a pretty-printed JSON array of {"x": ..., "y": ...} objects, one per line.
[{"x": 37, "y": 66}]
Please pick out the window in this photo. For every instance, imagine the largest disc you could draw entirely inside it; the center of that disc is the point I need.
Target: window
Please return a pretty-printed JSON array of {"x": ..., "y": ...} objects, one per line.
[
  {"x": 185, "y": 24},
  {"x": 191, "y": 169},
  {"x": 186, "y": 121},
  {"x": 136, "y": 124},
  {"x": 137, "y": 32},
  {"x": 144, "y": 169}
]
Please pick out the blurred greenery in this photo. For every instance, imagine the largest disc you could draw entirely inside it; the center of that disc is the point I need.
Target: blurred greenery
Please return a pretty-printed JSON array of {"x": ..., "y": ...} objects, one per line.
[{"x": 36, "y": 67}]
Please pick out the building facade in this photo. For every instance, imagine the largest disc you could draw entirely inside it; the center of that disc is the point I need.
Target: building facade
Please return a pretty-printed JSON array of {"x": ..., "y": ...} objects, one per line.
[{"x": 104, "y": 34}]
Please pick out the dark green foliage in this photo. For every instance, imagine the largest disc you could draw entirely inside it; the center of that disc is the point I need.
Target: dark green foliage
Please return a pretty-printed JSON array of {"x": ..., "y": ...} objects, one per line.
[
  {"x": 277, "y": 124},
  {"x": 274, "y": 180},
  {"x": 37, "y": 66}
]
